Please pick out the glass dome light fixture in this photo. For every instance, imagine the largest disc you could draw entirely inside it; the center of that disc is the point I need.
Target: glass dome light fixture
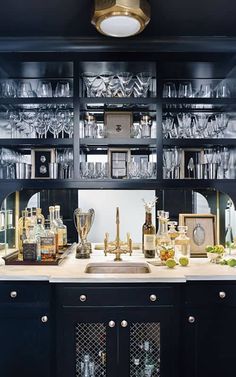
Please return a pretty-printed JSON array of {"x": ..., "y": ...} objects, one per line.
[{"x": 121, "y": 18}]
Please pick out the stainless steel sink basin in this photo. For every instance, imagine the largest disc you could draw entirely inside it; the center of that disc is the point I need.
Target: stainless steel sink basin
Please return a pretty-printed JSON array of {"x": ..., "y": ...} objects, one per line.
[{"x": 117, "y": 268}]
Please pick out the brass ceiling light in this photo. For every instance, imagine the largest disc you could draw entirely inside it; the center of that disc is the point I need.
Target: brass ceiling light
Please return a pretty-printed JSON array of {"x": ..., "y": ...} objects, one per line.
[{"x": 121, "y": 18}]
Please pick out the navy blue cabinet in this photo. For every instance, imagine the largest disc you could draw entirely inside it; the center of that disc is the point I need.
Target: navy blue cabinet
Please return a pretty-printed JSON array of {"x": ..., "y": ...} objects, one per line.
[
  {"x": 118, "y": 331},
  {"x": 25, "y": 329},
  {"x": 209, "y": 330}
]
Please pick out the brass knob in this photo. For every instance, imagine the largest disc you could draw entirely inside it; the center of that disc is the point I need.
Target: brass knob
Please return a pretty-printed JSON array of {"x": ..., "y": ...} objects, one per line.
[
  {"x": 191, "y": 319},
  {"x": 124, "y": 323},
  {"x": 153, "y": 298},
  {"x": 13, "y": 294},
  {"x": 44, "y": 319},
  {"x": 83, "y": 298},
  {"x": 112, "y": 324},
  {"x": 222, "y": 294}
]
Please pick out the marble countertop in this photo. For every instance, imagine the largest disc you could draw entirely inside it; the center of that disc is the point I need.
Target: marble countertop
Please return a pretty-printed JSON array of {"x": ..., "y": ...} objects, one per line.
[{"x": 73, "y": 270}]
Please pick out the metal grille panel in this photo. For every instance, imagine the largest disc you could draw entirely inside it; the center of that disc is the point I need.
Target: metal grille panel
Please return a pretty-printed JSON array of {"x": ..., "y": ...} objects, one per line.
[
  {"x": 90, "y": 349},
  {"x": 145, "y": 350}
]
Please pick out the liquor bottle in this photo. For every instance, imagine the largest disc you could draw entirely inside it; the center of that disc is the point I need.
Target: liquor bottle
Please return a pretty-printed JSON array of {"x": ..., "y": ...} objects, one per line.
[
  {"x": 53, "y": 224},
  {"x": 29, "y": 246},
  {"x": 48, "y": 244},
  {"x": 40, "y": 215},
  {"x": 149, "y": 237},
  {"x": 160, "y": 216},
  {"x": 172, "y": 232},
  {"x": 182, "y": 243},
  {"x": 38, "y": 233},
  {"x": 229, "y": 240},
  {"x": 61, "y": 229},
  {"x": 23, "y": 224}
]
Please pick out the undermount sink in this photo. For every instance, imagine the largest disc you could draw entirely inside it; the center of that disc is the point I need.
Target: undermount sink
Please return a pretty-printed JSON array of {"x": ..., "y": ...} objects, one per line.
[{"x": 117, "y": 268}]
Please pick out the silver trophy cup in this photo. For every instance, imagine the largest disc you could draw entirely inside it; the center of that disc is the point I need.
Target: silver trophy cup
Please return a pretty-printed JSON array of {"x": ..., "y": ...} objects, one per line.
[{"x": 83, "y": 223}]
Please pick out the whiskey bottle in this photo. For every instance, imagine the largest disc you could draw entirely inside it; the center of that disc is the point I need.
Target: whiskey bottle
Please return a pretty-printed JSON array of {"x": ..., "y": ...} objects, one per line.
[
  {"x": 29, "y": 245},
  {"x": 38, "y": 233},
  {"x": 149, "y": 237},
  {"x": 48, "y": 244},
  {"x": 39, "y": 215},
  {"x": 61, "y": 229},
  {"x": 53, "y": 225}
]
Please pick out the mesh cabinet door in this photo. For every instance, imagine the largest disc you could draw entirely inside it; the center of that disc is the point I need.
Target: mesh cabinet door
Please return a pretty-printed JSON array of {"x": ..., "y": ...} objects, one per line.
[
  {"x": 145, "y": 346},
  {"x": 91, "y": 349}
]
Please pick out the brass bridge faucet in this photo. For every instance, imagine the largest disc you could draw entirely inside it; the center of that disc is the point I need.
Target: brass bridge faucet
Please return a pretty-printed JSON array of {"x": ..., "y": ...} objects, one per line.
[{"x": 117, "y": 247}]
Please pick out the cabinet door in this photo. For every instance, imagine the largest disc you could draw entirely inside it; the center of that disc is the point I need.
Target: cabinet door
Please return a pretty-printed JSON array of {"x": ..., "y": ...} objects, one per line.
[
  {"x": 25, "y": 343},
  {"x": 87, "y": 337},
  {"x": 210, "y": 342},
  {"x": 148, "y": 342}
]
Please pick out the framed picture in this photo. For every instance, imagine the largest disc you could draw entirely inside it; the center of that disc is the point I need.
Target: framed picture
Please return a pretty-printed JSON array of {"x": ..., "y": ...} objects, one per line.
[
  {"x": 41, "y": 158},
  {"x": 201, "y": 231},
  {"x": 118, "y": 124},
  {"x": 118, "y": 160},
  {"x": 188, "y": 163}
]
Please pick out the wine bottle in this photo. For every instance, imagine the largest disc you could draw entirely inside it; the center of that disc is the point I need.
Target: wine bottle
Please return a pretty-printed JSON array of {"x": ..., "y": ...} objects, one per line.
[{"x": 149, "y": 237}]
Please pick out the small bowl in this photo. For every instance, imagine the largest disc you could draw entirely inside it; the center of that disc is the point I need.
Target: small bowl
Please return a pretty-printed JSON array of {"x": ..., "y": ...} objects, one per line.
[{"x": 214, "y": 257}]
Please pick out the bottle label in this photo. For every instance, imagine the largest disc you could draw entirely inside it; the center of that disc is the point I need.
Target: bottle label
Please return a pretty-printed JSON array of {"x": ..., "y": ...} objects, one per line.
[
  {"x": 149, "y": 241},
  {"x": 29, "y": 251},
  {"x": 60, "y": 237},
  {"x": 47, "y": 245}
]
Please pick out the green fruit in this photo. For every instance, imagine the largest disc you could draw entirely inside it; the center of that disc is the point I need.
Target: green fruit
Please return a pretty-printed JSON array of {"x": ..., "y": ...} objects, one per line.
[
  {"x": 232, "y": 262},
  {"x": 224, "y": 262},
  {"x": 183, "y": 261},
  {"x": 171, "y": 263}
]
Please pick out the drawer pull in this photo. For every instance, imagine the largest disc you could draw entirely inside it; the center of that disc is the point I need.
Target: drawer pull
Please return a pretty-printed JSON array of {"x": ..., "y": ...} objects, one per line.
[
  {"x": 44, "y": 319},
  {"x": 153, "y": 298},
  {"x": 111, "y": 324},
  {"x": 124, "y": 323},
  {"x": 222, "y": 294},
  {"x": 83, "y": 298},
  {"x": 13, "y": 294},
  {"x": 191, "y": 319}
]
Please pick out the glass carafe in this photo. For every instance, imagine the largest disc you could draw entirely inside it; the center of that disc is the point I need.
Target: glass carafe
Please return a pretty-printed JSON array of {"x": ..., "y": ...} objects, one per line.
[{"x": 182, "y": 243}]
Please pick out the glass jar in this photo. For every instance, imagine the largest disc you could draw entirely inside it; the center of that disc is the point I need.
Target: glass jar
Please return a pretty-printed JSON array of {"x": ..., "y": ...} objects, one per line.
[
  {"x": 146, "y": 125},
  {"x": 182, "y": 243},
  {"x": 173, "y": 234},
  {"x": 90, "y": 127}
]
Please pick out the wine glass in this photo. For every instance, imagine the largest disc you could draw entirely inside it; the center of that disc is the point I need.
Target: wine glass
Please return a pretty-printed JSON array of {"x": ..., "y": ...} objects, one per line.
[
  {"x": 144, "y": 78},
  {"x": 125, "y": 78},
  {"x": 88, "y": 78}
]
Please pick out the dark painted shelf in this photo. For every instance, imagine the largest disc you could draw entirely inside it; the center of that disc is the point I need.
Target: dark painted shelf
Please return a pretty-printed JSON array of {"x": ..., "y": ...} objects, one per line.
[
  {"x": 122, "y": 184},
  {"x": 117, "y": 142},
  {"x": 118, "y": 100},
  {"x": 35, "y": 142},
  {"x": 36, "y": 100},
  {"x": 192, "y": 143},
  {"x": 210, "y": 101}
]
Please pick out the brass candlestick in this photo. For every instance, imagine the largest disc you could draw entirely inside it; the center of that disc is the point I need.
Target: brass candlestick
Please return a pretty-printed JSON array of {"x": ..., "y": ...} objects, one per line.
[{"x": 117, "y": 247}]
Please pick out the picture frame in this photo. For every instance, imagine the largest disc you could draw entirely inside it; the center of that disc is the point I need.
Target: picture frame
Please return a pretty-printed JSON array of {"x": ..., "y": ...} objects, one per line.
[
  {"x": 118, "y": 124},
  {"x": 41, "y": 158},
  {"x": 118, "y": 159},
  {"x": 201, "y": 231},
  {"x": 187, "y": 154}
]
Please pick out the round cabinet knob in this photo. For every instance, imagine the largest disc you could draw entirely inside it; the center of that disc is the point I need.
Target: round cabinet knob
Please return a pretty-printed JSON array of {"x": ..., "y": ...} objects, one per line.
[
  {"x": 153, "y": 298},
  {"x": 83, "y": 298},
  {"x": 13, "y": 294},
  {"x": 124, "y": 323},
  {"x": 222, "y": 294},
  {"x": 191, "y": 319},
  {"x": 112, "y": 324},
  {"x": 44, "y": 319}
]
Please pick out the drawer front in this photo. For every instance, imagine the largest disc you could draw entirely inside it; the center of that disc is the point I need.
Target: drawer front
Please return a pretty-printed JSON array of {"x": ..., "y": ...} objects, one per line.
[
  {"x": 128, "y": 296},
  {"x": 24, "y": 292},
  {"x": 220, "y": 294}
]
